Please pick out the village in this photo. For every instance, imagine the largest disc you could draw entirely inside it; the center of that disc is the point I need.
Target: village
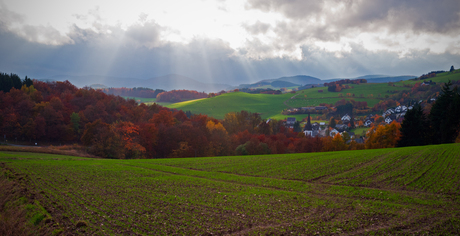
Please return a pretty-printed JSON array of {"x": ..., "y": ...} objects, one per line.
[{"x": 346, "y": 124}]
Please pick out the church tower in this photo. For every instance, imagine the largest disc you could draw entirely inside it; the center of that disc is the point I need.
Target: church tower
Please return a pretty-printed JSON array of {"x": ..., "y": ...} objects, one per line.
[{"x": 308, "y": 130}]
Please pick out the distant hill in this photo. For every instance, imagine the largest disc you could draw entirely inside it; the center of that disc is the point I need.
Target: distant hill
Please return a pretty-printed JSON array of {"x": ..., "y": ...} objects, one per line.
[
  {"x": 302, "y": 80},
  {"x": 173, "y": 81},
  {"x": 390, "y": 79},
  {"x": 292, "y": 81},
  {"x": 98, "y": 86},
  {"x": 167, "y": 82},
  {"x": 378, "y": 78}
]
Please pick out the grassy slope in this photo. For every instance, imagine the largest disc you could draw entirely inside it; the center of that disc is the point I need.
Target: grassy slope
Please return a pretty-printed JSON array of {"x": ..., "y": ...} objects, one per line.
[
  {"x": 266, "y": 104},
  {"x": 389, "y": 191},
  {"x": 271, "y": 106},
  {"x": 440, "y": 78}
]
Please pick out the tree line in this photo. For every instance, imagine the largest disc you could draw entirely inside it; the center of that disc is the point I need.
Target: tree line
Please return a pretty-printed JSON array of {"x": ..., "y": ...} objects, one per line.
[
  {"x": 133, "y": 92},
  {"x": 180, "y": 95},
  {"x": 8, "y": 81}
]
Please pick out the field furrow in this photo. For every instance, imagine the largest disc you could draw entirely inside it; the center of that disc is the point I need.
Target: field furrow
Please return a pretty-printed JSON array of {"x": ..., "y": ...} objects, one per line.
[{"x": 392, "y": 191}]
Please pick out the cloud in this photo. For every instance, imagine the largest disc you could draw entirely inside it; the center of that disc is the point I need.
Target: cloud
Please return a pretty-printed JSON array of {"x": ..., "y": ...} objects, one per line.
[
  {"x": 145, "y": 34},
  {"x": 334, "y": 20},
  {"x": 441, "y": 16},
  {"x": 257, "y": 28},
  {"x": 295, "y": 9},
  {"x": 7, "y": 17},
  {"x": 11, "y": 21},
  {"x": 139, "y": 50}
]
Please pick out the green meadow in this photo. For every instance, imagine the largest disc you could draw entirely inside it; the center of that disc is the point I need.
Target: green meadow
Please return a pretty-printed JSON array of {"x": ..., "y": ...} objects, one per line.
[
  {"x": 271, "y": 106},
  {"x": 412, "y": 190},
  {"x": 265, "y": 104}
]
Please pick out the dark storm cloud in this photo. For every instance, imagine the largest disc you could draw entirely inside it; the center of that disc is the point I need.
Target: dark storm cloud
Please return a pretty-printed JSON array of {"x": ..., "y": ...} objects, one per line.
[
  {"x": 440, "y": 16},
  {"x": 353, "y": 16}
]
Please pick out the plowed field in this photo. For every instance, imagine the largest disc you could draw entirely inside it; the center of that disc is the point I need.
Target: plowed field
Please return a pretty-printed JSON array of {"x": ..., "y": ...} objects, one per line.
[{"x": 411, "y": 190}]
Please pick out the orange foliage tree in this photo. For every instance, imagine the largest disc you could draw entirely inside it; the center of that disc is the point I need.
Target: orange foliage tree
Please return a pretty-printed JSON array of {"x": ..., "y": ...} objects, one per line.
[{"x": 383, "y": 136}]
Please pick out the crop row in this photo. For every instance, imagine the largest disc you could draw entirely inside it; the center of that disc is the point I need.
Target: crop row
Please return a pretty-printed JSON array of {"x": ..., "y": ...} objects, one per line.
[{"x": 389, "y": 190}]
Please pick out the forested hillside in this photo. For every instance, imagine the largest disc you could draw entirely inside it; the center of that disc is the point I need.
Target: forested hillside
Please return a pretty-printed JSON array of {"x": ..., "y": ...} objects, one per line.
[{"x": 110, "y": 126}]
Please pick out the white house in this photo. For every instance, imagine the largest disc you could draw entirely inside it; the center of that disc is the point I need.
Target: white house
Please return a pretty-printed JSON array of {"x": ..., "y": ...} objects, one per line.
[
  {"x": 333, "y": 132},
  {"x": 290, "y": 122},
  {"x": 346, "y": 118},
  {"x": 388, "y": 120},
  {"x": 367, "y": 123}
]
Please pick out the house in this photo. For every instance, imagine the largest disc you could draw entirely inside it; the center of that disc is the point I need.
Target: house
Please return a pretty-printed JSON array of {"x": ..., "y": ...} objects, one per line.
[
  {"x": 388, "y": 112},
  {"x": 359, "y": 140},
  {"x": 368, "y": 122},
  {"x": 315, "y": 126},
  {"x": 333, "y": 132},
  {"x": 341, "y": 127},
  {"x": 388, "y": 120},
  {"x": 398, "y": 109},
  {"x": 425, "y": 83},
  {"x": 308, "y": 108},
  {"x": 352, "y": 134},
  {"x": 290, "y": 122},
  {"x": 346, "y": 117},
  {"x": 403, "y": 108}
]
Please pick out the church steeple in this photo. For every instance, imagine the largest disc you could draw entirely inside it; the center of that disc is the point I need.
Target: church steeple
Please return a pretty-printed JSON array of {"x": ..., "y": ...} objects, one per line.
[{"x": 308, "y": 125}]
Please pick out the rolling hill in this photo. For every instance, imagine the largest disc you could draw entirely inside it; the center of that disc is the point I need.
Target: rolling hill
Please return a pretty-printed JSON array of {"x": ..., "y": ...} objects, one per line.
[
  {"x": 284, "y": 82},
  {"x": 271, "y": 106},
  {"x": 265, "y": 104},
  {"x": 167, "y": 82},
  {"x": 299, "y": 80},
  {"x": 378, "y": 78}
]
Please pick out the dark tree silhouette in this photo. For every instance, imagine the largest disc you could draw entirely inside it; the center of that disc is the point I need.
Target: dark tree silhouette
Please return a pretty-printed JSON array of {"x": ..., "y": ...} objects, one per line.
[{"x": 414, "y": 128}]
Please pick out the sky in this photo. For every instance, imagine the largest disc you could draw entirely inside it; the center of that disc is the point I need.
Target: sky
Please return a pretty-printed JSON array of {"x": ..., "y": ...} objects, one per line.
[{"x": 228, "y": 41}]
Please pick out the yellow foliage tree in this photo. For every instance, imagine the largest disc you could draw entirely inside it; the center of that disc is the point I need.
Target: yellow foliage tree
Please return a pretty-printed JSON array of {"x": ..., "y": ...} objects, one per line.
[{"x": 219, "y": 141}]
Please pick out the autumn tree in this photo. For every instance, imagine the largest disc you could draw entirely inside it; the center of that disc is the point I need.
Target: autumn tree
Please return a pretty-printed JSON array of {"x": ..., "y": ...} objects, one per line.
[
  {"x": 219, "y": 140},
  {"x": 383, "y": 136},
  {"x": 102, "y": 140},
  {"x": 332, "y": 122},
  {"x": 129, "y": 135}
]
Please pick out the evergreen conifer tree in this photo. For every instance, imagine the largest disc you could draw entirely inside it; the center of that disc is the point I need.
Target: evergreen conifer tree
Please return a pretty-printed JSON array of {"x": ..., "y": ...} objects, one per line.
[
  {"x": 444, "y": 116},
  {"x": 414, "y": 128}
]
